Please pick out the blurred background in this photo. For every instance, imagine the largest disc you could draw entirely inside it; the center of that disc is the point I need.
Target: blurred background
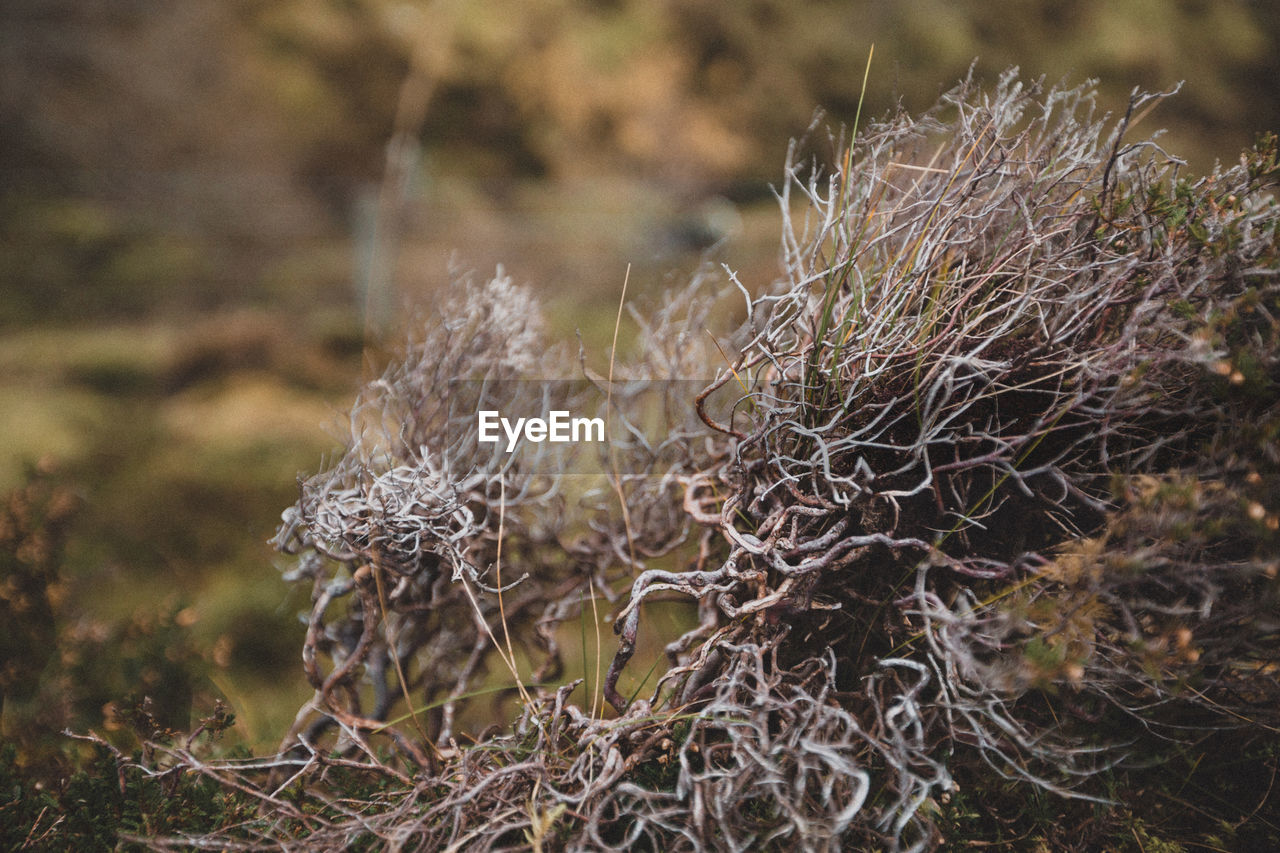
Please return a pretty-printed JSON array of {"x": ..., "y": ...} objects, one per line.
[{"x": 212, "y": 211}]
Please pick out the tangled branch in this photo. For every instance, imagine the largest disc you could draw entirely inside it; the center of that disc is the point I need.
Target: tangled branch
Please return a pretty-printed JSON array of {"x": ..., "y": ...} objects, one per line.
[{"x": 985, "y": 486}]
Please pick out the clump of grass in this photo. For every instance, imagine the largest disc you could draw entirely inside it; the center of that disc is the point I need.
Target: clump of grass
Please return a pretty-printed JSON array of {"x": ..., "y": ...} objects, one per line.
[{"x": 980, "y": 509}]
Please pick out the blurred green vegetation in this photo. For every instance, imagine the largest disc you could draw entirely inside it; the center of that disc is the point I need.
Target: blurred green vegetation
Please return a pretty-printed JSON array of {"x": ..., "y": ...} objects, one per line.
[
  {"x": 177, "y": 158},
  {"x": 185, "y": 187},
  {"x": 180, "y": 447}
]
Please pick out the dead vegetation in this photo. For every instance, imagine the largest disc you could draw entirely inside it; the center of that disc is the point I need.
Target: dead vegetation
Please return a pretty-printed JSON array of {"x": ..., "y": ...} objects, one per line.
[{"x": 985, "y": 495}]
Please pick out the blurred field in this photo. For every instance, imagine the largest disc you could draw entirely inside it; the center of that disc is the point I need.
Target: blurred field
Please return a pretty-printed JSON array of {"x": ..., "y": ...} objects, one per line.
[
  {"x": 198, "y": 237},
  {"x": 183, "y": 444}
]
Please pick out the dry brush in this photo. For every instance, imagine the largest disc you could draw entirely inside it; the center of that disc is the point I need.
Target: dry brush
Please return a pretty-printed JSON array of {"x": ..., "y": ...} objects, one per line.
[{"x": 983, "y": 491}]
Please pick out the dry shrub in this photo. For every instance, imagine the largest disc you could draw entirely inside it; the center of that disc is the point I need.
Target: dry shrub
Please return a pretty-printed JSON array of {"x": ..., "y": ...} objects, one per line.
[{"x": 983, "y": 495}]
